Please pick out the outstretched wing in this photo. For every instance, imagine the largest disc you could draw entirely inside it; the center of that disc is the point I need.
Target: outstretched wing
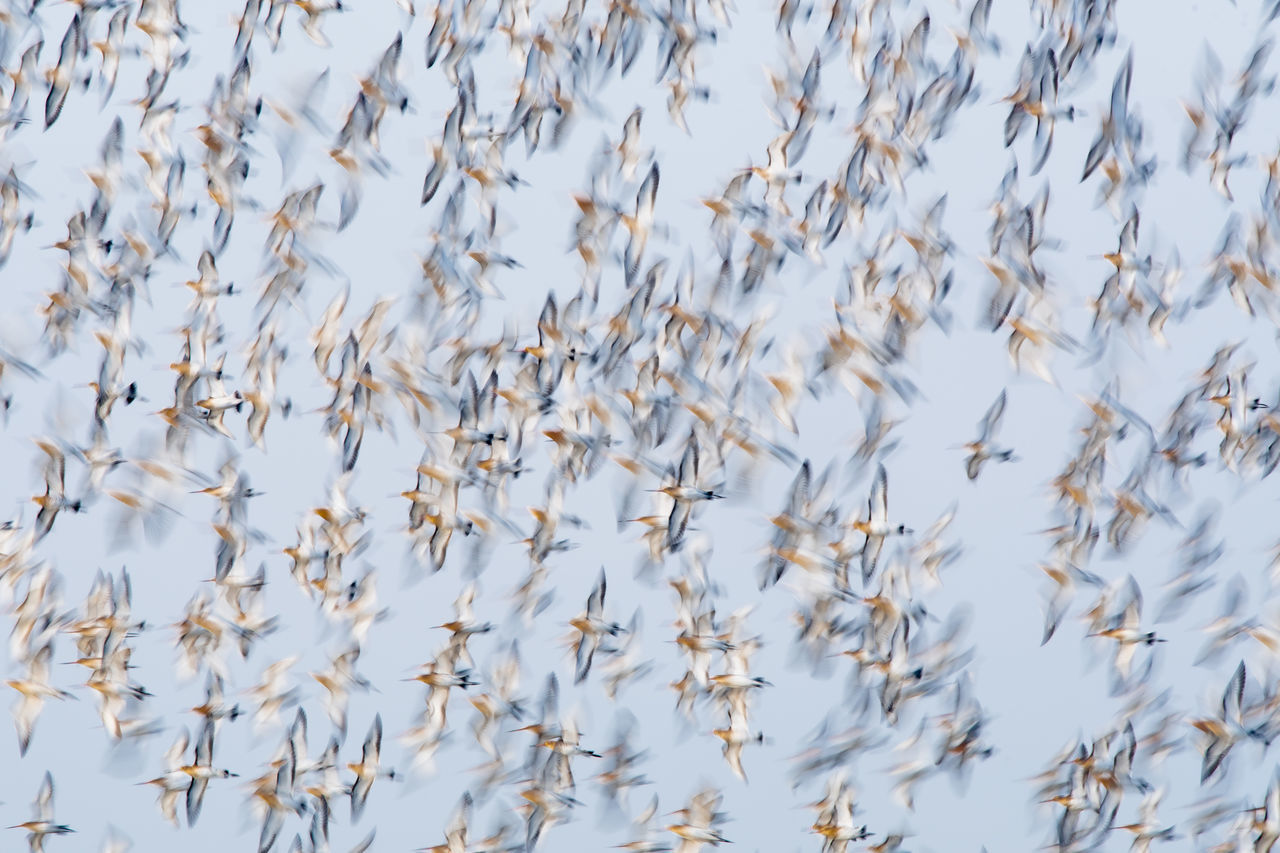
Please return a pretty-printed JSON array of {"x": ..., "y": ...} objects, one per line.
[
  {"x": 991, "y": 420},
  {"x": 880, "y": 496}
]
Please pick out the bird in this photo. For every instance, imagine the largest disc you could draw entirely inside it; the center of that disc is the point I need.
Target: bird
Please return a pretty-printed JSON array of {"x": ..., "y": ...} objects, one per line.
[
  {"x": 591, "y": 627},
  {"x": 684, "y": 492},
  {"x": 700, "y": 818},
  {"x": 34, "y": 690},
  {"x": 43, "y": 824},
  {"x": 201, "y": 771},
  {"x": 876, "y": 527},
  {"x": 982, "y": 448},
  {"x": 368, "y": 769}
]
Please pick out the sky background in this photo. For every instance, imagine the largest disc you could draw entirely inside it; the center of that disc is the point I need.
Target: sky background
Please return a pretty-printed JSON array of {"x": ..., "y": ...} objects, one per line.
[{"x": 1039, "y": 699}]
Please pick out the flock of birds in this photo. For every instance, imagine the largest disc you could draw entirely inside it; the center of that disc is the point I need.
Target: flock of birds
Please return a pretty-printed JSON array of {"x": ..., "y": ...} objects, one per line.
[{"x": 656, "y": 385}]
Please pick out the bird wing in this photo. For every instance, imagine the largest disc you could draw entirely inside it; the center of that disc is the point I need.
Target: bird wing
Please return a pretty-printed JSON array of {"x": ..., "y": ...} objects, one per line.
[
  {"x": 595, "y": 602},
  {"x": 195, "y": 798},
  {"x": 1120, "y": 94},
  {"x": 880, "y": 496},
  {"x": 204, "y": 747},
  {"x": 44, "y": 799},
  {"x": 991, "y": 420},
  {"x": 800, "y": 490},
  {"x": 733, "y": 754},
  {"x": 271, "y": 827},
  {"x": 173, "y": 758},
  {"x": 647, "y": 195},
  {"x": 677, "y": 523},
  {"x": 870, "y": 555},
  {"x": 585, "y": 650},
  {"x": 373, "y": 742},
  {"x": 973, "y": 466},
  {"x": 1233, "y": 697},
  {"x": 360, "y": 793}
]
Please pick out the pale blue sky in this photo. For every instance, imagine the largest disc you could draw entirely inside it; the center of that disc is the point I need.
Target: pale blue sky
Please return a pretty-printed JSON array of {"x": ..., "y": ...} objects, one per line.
[{"x": 1038, "y": 698}]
